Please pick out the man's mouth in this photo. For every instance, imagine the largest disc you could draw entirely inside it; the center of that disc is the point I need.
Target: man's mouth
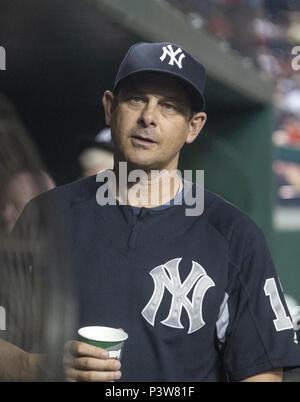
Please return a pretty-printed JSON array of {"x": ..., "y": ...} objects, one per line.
[{"x": 143, "y": 139}]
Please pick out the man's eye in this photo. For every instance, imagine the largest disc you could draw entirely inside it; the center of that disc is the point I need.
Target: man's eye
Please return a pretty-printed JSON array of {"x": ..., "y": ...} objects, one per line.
[
  {"x": 169, "y": 106},
  {"x": 136, "y": 99}
]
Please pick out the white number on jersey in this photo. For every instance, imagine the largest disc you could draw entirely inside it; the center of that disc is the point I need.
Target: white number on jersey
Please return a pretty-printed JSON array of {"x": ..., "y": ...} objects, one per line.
[{"x": 282, "y": 321}]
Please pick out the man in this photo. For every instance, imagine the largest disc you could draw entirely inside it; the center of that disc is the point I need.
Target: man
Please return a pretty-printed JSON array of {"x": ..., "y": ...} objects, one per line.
[{"x": 197, "y": 294}]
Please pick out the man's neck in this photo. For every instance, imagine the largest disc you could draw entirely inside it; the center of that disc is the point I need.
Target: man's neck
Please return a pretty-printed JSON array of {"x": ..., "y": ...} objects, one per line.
[{"x": 147, "y": 188}]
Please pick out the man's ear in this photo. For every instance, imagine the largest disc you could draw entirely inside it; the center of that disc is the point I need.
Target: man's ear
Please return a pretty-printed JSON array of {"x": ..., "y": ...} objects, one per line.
[
  {"x": 196, "y": 124},
  {"x": 107, "y": 101}
]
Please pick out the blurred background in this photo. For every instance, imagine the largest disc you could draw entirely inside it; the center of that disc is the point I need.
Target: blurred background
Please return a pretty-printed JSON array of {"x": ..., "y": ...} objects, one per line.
[{"x": 62, "y": 56}]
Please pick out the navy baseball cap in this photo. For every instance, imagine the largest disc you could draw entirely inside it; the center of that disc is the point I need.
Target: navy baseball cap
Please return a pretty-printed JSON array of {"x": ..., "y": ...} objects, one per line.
[{"x": 167, "y": 58}]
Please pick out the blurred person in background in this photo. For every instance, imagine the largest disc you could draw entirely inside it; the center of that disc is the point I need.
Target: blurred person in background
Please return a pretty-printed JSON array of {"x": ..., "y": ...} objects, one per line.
[
  {"x": 18, "y": 191},
  {"x": 22, "y": 176},
  {"x": 96, "y": 154}
]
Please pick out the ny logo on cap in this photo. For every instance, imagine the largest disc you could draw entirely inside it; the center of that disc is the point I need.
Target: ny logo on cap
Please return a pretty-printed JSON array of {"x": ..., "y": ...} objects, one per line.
[{"x": 168, "y": 50}]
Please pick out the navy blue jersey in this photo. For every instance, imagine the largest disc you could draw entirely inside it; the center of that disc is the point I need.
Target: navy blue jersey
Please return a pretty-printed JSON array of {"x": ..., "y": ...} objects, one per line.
[{"x": 198, "y": 295}]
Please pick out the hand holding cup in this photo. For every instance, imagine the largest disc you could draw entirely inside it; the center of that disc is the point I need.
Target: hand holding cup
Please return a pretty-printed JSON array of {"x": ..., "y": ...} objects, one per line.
[{"x": 95, "y": 357}]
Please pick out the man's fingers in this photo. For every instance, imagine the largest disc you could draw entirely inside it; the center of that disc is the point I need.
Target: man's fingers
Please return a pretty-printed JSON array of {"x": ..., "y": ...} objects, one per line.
[
  {"x": 92, "y": 376},
  {"x": 84, "y": 362},
  {"x": 77, "y": 348},
  {"x": 90, "y": 364}
]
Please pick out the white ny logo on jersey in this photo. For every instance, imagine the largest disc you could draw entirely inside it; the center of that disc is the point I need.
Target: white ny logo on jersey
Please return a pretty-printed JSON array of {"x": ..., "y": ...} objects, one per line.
[
  {"x": 167, "y": 276},
  {"x": 168, "y": 50}
]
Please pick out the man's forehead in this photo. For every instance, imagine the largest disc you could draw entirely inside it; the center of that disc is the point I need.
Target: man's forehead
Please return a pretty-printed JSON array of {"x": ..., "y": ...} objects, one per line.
[{"x": 158, "y": 83}]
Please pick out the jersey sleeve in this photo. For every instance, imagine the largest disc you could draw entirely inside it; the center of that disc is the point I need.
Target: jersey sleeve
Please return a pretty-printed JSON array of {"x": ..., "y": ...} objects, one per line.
[{"x": 260, "y": 335}]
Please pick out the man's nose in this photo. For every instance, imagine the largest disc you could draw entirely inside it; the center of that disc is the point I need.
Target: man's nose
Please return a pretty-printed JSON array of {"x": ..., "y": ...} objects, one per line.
[{"x": 148, "y": 114}]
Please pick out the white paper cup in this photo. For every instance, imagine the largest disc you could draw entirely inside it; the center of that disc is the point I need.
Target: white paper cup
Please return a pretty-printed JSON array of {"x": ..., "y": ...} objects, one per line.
[{"x": 111, "y": 339}]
